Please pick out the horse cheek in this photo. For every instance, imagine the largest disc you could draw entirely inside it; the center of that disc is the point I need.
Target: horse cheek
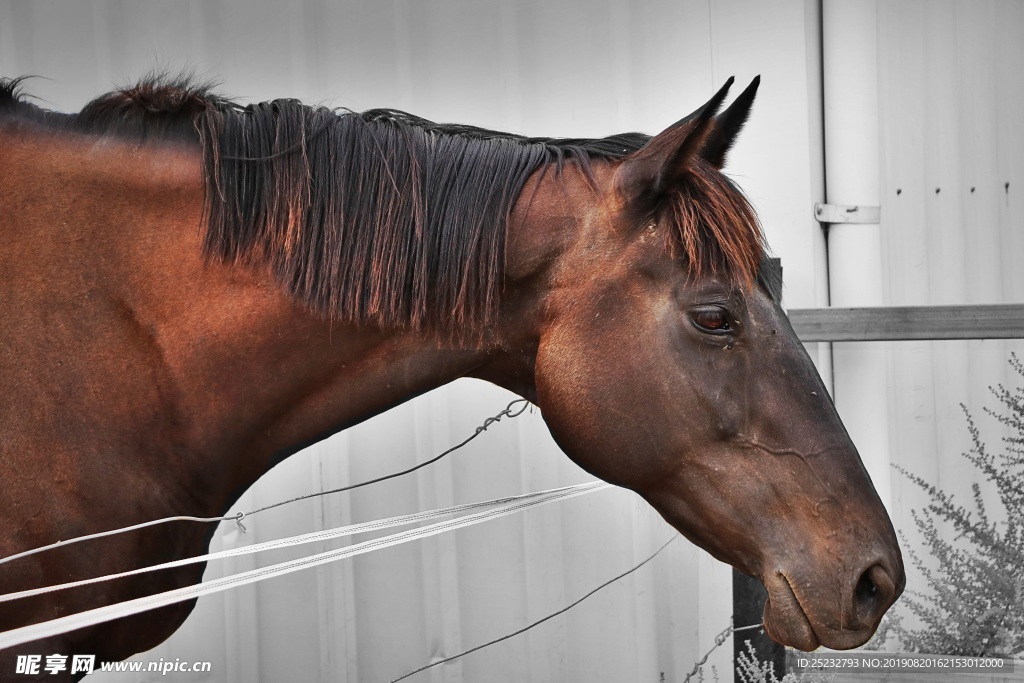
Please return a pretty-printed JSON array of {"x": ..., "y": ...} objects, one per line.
[{"x": 594, "y": 408}]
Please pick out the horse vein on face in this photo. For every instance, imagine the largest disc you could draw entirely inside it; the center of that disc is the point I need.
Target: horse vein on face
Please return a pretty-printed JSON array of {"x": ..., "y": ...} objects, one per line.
[{"x": 751, "y": 443}]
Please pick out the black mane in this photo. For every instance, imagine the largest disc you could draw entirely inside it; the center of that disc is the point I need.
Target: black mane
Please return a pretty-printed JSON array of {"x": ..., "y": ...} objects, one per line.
[
  {"x": 378, "y": 218},
  {"x": 383, "y": 218}
]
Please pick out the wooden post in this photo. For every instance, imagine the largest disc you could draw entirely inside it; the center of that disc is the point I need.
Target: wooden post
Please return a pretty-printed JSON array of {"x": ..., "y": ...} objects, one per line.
[{"x": 748, "y": 598}]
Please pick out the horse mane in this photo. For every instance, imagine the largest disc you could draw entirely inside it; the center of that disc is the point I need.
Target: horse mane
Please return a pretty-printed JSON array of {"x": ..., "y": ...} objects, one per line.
[{"x": 380, "y": 217}]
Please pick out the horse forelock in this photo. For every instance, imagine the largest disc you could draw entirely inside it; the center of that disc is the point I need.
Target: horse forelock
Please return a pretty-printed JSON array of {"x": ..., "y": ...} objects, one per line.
[{"x": 714, "y": 229}]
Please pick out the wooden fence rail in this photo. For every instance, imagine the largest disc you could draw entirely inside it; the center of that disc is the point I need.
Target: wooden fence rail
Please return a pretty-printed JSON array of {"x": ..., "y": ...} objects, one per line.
[{"x": 905, "y": 323}]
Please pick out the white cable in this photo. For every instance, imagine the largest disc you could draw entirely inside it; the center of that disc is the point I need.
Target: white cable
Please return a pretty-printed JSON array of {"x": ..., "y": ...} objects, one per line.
[
  {"x": 312, "y": 537},
  {"x": 134, "y": 527},
  {"x": 107, "y": 613}
]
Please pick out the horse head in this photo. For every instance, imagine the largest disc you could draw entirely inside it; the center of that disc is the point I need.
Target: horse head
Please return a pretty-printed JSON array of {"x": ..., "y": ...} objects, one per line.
[{"x": 664, "y": 365}]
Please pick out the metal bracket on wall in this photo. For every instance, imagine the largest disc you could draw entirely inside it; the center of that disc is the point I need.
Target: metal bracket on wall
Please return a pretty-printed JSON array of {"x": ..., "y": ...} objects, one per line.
[{"x": 840, "y": 213}]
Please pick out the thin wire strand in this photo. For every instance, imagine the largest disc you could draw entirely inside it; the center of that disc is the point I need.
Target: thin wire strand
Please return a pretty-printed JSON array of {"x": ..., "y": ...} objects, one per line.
[
  {"x": 539, "y": 621},
  {"x": 508, "y": 412},
  {"x": 719, "y": 641}
]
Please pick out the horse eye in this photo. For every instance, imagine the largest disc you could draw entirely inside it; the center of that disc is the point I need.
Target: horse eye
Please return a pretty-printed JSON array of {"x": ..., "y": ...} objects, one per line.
[{"x": 710, "y": 319}]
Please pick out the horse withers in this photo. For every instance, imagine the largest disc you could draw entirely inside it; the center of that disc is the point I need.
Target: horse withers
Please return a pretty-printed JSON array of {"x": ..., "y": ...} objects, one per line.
[{"x": 192, "y": 290}]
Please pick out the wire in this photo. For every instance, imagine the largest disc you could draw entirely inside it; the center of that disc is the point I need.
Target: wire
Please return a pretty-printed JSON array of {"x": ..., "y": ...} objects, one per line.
[
  {"x": 508, "y": 412},
  {"x": 539, "y": 621},
  {"x": 719, "y": 641}
]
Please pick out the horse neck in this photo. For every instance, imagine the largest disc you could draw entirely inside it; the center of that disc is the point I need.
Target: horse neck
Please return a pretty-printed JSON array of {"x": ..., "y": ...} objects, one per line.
[{"x": 166, "y": 359}]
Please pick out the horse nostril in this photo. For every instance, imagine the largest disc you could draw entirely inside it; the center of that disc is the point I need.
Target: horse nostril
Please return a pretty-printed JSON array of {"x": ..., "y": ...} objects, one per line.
[
  {"x": 873, "y": 593},
  {"x": 866, "y": 589}
]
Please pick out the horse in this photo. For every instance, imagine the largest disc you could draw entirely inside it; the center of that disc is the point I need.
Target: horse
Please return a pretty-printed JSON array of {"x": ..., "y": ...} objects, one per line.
[{"x": 193, "y": 290}]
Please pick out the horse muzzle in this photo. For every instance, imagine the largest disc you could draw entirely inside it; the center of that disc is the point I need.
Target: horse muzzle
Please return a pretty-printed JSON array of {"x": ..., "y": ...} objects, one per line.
[{"x": 805, "y": 614}]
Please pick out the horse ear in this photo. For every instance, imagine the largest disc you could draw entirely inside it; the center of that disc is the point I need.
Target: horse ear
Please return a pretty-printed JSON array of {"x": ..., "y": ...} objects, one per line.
[
  {"x": 645, "y": 176},
  {"x": 727, "y": 126}
]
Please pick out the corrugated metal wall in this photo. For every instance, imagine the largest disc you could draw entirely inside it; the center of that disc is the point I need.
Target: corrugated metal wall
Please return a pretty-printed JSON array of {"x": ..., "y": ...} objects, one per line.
[
  {"x": 951, "y": 101},
  {"x": 580, "y": 67}
]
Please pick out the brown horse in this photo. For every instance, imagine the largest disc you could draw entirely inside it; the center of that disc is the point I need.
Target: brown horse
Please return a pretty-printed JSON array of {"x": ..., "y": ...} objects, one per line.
[{"x": 191, "y": 290}]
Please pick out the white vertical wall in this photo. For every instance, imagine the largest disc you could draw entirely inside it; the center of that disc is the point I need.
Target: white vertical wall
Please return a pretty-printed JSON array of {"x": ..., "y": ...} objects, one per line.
[
  {"x": 574, "y": 68},
  {"x": 951, "y": 101},
  {"x": 850, "y": 66}
]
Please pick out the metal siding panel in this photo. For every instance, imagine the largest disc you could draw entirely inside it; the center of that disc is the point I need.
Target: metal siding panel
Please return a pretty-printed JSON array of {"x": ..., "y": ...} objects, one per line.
[
  {"x": 852, "y": 166},
  {"x": 441, "y": 570},
  {"x": 976, "y": 49},
  {"x": 945, "y": 237},
  {"x": 950, "y": 106},
  {"x": 902, "y": 60},
  {"x": 544, "y": 549},
  {"x": 391, "y": 624},
  {"x": 1009, "y": 110},
  {"x": 338, "y": 641},
  {"x": 979, "y": 151},
  {"x": 8, "y": 48}
]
